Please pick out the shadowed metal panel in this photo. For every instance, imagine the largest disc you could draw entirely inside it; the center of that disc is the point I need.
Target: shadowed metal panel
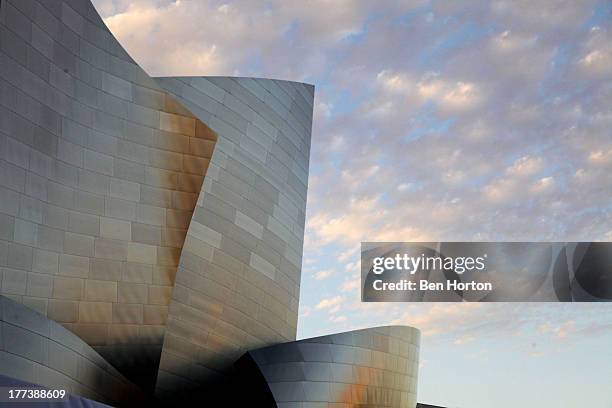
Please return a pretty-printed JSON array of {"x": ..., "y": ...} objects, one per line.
[
  {"x": 100, "y": 170},
  {"x": 375, "y": 367},
  {"x": 38, "y": 350},
  {"x": 237, "y": 286}
]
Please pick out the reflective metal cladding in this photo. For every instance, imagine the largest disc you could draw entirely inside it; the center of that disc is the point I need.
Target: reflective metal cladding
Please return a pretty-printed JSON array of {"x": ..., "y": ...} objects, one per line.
[
  {"x": 41, "y": 351},
  {"x": 100, "y": 173},
  {"x": 237, "y": 286},
  {"x": 374, "y": 367}
]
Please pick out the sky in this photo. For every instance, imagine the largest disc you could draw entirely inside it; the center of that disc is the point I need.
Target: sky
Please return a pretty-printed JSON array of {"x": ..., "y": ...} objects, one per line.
[{"x": 434, "y": 121}]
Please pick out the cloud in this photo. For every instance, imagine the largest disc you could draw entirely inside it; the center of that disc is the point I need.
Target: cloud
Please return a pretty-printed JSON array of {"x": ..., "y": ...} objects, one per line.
[
  {"x": 350, "y": 285},
  {"x": 330, "y": 303},
  {"x": 305, "y": 311},
  {"x": 320, "y": 275},
  {"x": 542, "y": 185},
  {"x": 463, "y": 340},
  {"x": 597, "y": 53},
  {"x": 450, "y": 95},
  {"x": 395, "y": 82},
  {"x": 573, "y": 329},
  {"x": 508, "y": 42},
  {"x": 461, "y": 95},
  {"x": 526, "y": 166},
  {"x": 601, "y": 157},
  {"x": 338, "y": 319},
  {"x": 561, "y": 331}
]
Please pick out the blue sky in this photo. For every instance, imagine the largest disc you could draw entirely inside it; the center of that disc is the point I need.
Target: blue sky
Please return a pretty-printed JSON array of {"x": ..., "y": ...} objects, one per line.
[{"x": 434, "y": 120}]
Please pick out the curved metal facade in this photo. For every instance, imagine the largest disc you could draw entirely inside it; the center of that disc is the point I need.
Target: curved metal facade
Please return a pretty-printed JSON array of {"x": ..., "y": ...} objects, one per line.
[
  {"x": 99, "y": 174},
  {"x": 38, "y": 350},
  {"x": 237, "y": 287},
  {"x": 374, "y": 367}
]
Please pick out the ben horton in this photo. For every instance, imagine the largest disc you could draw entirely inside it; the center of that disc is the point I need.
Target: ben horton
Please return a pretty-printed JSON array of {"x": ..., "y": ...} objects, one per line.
[{"x": 425, "y": 285}]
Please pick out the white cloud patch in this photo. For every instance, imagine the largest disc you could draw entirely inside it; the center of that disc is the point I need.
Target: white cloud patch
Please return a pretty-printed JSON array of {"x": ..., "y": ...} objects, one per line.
[
  {"x": 526, "y": 166},
  {"x": 330, "y": 304},
  {"x": 320, "y": 275},
  {"x": 395, "y": 82},
  {"x": 338, "y": 319},
  {"x": 597, "y": 49},
  {"x": 350, "y": 285}
]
